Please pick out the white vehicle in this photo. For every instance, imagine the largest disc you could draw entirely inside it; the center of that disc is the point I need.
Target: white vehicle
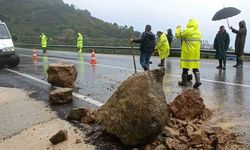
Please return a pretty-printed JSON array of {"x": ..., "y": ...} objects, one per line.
[{"x": 8, "y": 56}]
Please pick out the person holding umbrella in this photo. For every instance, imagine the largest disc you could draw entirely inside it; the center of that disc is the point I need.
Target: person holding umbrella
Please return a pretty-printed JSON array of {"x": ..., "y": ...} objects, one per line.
[
  {"x": 240, "y": 43},
  {"x": 221, "y": 44},
  {"x": 147, "y": 45},
  {"x": 190, "y": 51}
]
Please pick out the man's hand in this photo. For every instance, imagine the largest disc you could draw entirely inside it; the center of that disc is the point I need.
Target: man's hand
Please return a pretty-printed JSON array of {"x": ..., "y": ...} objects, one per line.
[{"x": 231, "y": 28}]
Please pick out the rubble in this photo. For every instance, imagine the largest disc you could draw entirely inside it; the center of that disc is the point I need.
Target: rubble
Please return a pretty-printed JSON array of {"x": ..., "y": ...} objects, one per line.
[
  {"x": 62, "y": 75},
  {"x": 83, "y": 115},
  {"x": 59, "y": 137},
  {"x": 61, "y": 96},
  {"x": 77, "y": 113},
  {"x": 138, "y": 115},
  {"x": 137, "y": 112},
  {"x": 186, "y": 130},
  {"x": 189, "y": 105}
]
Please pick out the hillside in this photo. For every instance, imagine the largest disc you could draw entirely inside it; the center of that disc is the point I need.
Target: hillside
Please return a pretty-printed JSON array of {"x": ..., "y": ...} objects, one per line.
[{"x": 27, "y": 19}]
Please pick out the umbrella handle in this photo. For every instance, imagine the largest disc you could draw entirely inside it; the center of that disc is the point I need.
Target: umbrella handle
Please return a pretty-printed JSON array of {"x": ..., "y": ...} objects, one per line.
[{"x": 228, "y": 24}]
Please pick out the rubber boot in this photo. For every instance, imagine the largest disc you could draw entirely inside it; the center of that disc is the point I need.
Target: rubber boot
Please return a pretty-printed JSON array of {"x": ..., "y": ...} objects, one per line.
[
  {"x": 184, "y": 80},
  {"x": 240, "y": 64},
  {"x": 224, "y": 64},
  {"x": 237, "y": 62},
  {"x": 220, "y": 64},
  {"x": 80, "y": 50},
  {"x": 162, "y": 63},
  {"x": 197, "y": 79},
  {"x": 189, "y": 77}
]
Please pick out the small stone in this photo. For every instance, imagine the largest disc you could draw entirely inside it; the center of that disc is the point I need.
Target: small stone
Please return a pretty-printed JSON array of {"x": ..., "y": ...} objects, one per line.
[
  {"x": 189, "y": 130},
  {"x": 78, "y": 141},
  {"x": 169, "y": 132},
  {"x": 59, "y": 137},
  {"x": 161, "y": 147}
]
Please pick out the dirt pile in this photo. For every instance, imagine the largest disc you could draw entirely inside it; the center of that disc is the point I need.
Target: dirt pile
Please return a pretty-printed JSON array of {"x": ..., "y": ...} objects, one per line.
[
  {"x": 137, "y": 112},
  {"x": 182, "y": 135},
  {"x": 189, "y": 105},
  {"x": 188, "y": 113}
]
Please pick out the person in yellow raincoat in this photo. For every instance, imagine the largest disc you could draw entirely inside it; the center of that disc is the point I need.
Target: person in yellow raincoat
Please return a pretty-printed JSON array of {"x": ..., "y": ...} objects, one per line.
[
  {"x": 43, "y": 42},
  {"x": 162, "y": 47},
  {"x": 190, "y": 51},
  {"x": 79, "y": 42}
]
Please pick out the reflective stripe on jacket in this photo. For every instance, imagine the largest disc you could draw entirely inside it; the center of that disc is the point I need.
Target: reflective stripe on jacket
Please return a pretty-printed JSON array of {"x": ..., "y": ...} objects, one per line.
[
  {"x": 190, "y": 46},
  {"x": 162, "y": 46}
]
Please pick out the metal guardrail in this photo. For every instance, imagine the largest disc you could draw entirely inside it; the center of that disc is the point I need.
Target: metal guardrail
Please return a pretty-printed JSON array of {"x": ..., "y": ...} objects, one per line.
[{"x": 178, "y": 50}]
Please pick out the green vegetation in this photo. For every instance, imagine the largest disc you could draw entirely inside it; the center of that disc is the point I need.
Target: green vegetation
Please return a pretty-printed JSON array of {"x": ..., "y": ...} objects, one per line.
[{"x": 61, "y": 22}]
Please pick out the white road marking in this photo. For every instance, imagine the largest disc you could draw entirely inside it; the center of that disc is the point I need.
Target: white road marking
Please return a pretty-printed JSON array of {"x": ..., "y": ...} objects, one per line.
[
  {"x": 28, "y": 76},
  {"x": 213, "y": 81},
  {"x": 82, "y": 97},
  {"x": 122, "y": 68},
  {"x": 90, "y": 100}
]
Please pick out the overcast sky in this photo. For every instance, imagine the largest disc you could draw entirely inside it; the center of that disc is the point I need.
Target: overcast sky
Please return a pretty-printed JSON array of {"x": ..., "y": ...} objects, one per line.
[{"x": 164, "y": 14}]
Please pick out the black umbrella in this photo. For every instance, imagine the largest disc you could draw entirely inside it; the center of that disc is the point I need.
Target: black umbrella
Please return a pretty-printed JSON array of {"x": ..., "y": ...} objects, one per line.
[{"x": 226, "y": 13}]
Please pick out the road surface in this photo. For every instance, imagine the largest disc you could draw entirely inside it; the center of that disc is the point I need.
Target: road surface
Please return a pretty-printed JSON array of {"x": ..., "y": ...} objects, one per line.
[{"x": 227, "y": 92}]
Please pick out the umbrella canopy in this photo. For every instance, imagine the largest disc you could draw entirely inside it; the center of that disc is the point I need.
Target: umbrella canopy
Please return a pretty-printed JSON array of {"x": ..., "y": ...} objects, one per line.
[{"x": 226, "y": 13}]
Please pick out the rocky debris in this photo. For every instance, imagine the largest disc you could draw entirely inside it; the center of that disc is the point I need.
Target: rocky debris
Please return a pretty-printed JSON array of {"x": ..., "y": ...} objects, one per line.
[
  {"x": 193, "y": 136},
  {"x": 77, "y": 113},
  {"x": 62, "y": 75},
  {"x": 59, "y": 137},
  {"x": 88, "y": 119},
  {"x": 81, "y": 114},
  {"x": 61, "y": 96},
  {"x": 134, "y": 111},
  {"x": 137, "y": 112},
  {"x": 189, "y": 105}
]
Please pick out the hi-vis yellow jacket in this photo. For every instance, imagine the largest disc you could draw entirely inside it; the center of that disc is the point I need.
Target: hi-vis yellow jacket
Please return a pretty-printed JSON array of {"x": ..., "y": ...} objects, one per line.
[
  {"x": 190, "y": 46},
  {"x": 43, "y": 41},
  {"x": 162, "y": 46},
  {"x": 79, "y": 41}
]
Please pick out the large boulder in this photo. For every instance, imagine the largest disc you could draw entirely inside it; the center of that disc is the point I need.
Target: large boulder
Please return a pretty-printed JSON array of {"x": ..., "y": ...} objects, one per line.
[
  {"x": 136, "y": 112},
  {"x": 189, "y": 105},
  {"x": 61, "y": 96},
  {"x": 62, "y": 75}
]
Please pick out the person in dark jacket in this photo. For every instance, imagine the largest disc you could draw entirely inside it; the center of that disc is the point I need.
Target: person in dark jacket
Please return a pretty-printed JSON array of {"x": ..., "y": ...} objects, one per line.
[
  {"x": 240, "y": 43},
  {"x": 221, "y": 44},
  {"x": 147, "y": 45},
  {"x": 170, "y": 39}
]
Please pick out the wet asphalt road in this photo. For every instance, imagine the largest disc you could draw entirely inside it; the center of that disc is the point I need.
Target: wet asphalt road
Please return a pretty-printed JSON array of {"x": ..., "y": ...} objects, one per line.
[{"x": 227, "y": 92}]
